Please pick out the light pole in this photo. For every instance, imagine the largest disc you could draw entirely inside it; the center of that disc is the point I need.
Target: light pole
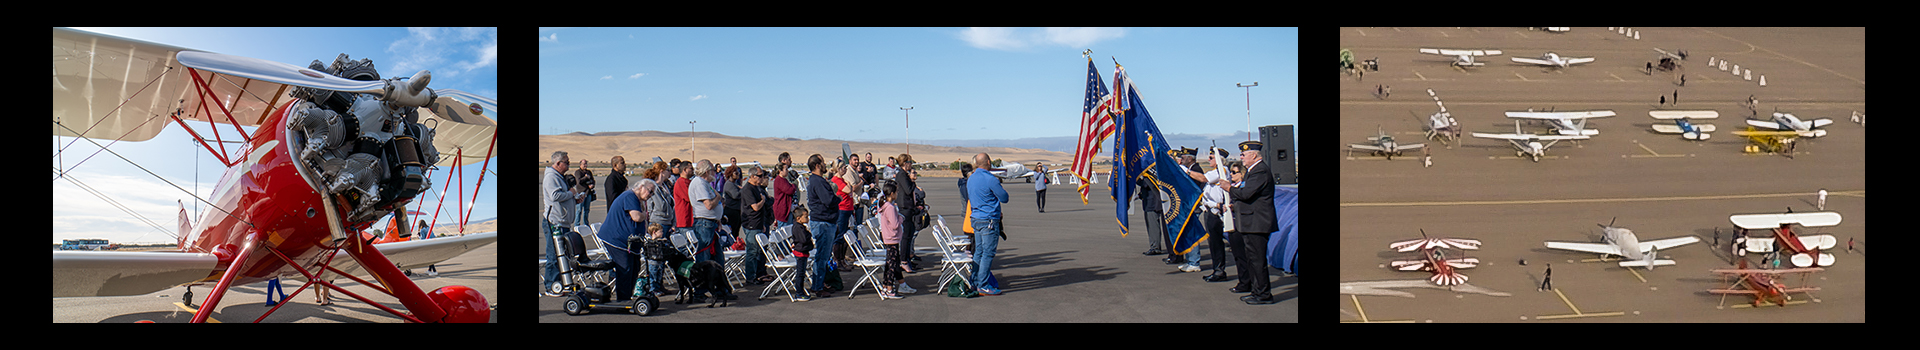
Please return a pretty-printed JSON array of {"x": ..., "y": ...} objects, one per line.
[
  {"x": 690, "y": 138},
  {"x": 909, "y": 128},
  {"x": 1249, "y": 107}
]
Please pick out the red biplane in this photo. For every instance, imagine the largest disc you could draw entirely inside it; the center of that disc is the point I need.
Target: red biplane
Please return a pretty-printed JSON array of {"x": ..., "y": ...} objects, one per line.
[
  {"x": 1764, "y": 285},
  {"x": 335, "y": 149},
  {"x": 1805, "y": 249},
  {"x": 1434, "y": 259}
]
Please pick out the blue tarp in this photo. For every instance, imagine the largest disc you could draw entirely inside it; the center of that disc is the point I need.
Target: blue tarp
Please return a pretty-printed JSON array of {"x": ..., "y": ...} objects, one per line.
[{"x": 1283, "y": 245}]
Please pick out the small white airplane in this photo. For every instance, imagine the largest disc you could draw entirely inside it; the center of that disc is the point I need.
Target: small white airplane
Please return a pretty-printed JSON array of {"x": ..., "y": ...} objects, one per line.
[
  {"x": 1621, "y": 242},
  {"x": 1565, "y": 123},
  {"x": 1686, "y": 130},
  {"x": 1462, "y": 57},
  {"x": 1014, "y": 171},
  {"x": 1787, "y": 122},
  {"x": 1532, "y": 148},
  {"x": 1383, "y": 144},
  {"x": 1553, "y": 59},
  {"x": 1441, "y": 124}
]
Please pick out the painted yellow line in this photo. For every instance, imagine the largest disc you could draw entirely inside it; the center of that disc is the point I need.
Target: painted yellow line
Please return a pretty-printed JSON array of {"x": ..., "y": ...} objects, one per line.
[
  {"x": 1860, "y": 193},
  {"x": 1637, "y": 274},
  {"x": 1602, "y": 314},
  {"x": 1563, "y": 297},
  {"x": 184, "y": 306},
  {"x": 1644, "y": 146},
  {"x": 1356, "y": 306}
]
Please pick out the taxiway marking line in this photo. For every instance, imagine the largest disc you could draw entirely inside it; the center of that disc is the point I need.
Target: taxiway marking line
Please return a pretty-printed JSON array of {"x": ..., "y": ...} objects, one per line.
[
  {"x": 1615, "y": 77},
  {"x": 1861, "y": 193},
  {"x": 1517, "y": 74},
  {"x": 184, "y": 306},
  {"x": 1602, "y": 314},
  {"x": 1644, "y": 146},
  {"x": 1422, "y": 77},
  {"x": 1356, "y": 306},
  {"x": 1643, "y": 279},
  {"x": 1563, "y": 297}
]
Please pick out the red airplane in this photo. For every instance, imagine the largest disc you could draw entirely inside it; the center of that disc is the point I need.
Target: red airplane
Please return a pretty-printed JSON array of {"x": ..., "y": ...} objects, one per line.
[
  {"x": 1805, "y": 250},
  {"x": 335, "y": 150},
  {"x": 1762, "y": 284},
  {"x": 1434, "y": 260}
]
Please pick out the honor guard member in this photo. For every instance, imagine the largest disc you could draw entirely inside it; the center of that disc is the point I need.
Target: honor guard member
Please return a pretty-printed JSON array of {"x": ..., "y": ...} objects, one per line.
[{"x": 1252, "y": 199}]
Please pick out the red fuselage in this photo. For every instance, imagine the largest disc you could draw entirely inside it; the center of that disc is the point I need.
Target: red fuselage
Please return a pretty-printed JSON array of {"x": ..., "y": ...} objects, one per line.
[{"x": 266, "y": 193}]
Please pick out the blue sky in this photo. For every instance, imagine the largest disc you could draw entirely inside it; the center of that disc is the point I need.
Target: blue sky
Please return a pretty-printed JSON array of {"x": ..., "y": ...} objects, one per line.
[
  {"x": 849, "y": 83},
  {"x": 460, "y": 58}
]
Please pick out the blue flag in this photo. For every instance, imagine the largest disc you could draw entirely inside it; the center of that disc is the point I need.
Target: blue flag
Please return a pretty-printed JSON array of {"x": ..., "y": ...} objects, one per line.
[
  {"x": 1141, "y": 154},
  {"x": 1283, "y": 246}
]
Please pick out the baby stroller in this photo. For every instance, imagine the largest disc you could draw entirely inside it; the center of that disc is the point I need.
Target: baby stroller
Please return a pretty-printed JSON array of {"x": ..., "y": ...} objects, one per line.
[
  {"x": 586, "y": 282},
  {"x": 688, "y": 275}
]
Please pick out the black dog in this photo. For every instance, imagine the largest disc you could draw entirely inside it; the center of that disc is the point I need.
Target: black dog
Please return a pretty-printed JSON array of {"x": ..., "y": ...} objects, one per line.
[{"x": 709, "y": 275}]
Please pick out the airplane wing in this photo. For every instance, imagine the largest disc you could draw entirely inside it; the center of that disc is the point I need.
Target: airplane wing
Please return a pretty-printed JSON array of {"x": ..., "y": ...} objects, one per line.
[
  {"x": 1667, "y": 129},
  {"x": 1765, "y": 271},
  {"x": 1767, "y": 221},
  {"x": 420, "y": 253},
  {"x": 1586, "y": 247},
  {"x": 1452, "y": 52},
  {"x": 1504, "y": 136},
  {"x": 1646, "y": 263},
  {"x": 1428, "y": 243},
  {"x": 109, "y": 87},
  {"x": 92, "y": 273},
  {"x": 1409, "y": 265},
  {"x": 1366, "y": 147},
  {"x": 1579, "y": 60},
  {"x": 1764, "y": 123},
  {"x": 1732, "y": 291},
  {"x": 1684, "y": 114},
  {"x": 462, "y": 122},
  {"x": 1561, "y": 115},
  {"x": 1820, "y": 122},
  {"x": 1668, "y": 243},
  {"x": 1413, "y": 146},
  {"x": 1533, "y": 61},
  {"x": 1013, "y": 170}
]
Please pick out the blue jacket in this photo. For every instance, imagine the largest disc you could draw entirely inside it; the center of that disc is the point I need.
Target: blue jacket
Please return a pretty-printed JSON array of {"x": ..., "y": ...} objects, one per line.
[{"x": 986, "y": 194}]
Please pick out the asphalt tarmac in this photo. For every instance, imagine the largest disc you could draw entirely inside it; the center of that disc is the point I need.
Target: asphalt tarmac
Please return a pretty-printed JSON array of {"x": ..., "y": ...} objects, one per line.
[
  {"x": 1659, "y": 185},
  {"x": 1068, "y": 264},
  {"x": 477, "y": 269}
]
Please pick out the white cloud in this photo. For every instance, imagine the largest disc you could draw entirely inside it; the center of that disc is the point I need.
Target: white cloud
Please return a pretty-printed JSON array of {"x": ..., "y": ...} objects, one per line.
[
  {"x": 696, "y": 98},
  {"x": 79, "y": 214},
  {"x": 636, "y": 75},
  {"x": 606, "y": 78},
  {"x": 441, "y": 50},
  {"x": 1021, "y": 38},
  {"x": 551, "y": 38}
]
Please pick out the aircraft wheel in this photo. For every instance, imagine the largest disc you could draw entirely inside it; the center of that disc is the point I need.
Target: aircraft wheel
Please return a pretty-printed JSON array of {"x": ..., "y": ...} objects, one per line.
[
  {"x": 575, "y": 306},
  {"x": 187, "y": 298}
]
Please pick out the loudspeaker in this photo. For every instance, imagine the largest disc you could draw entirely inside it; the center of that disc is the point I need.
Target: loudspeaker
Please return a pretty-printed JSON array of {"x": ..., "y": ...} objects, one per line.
[{"x": 1278, "y": 142}]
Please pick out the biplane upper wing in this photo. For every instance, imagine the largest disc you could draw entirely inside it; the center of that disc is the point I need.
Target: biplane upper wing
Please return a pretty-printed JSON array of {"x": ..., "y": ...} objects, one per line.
[
  {"x": 1767, "y": 221},
  {"x": 1452, "y": 52},
  {"x": 1709, "y": 114},
  {"x": 461, "y": 121},
  {"x": 1675, "y": 129},
  {"x": 91, "y": 273}
]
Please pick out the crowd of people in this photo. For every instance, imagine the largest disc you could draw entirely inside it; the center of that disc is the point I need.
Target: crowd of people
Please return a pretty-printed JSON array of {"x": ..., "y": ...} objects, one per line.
[
  {"x": 721, "y": 205},
  {"x": 717, "y": 205}
]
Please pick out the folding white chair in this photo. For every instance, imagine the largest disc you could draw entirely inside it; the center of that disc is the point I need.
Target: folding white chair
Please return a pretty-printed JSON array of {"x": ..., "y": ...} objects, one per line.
[
  {"x": 866, "y": 262},
  {"x": 953, "y": 261},
  {"x": 736, "y": 265},
  {"x": 870, "y": 237},
  {"x": 779, "y": 258}
]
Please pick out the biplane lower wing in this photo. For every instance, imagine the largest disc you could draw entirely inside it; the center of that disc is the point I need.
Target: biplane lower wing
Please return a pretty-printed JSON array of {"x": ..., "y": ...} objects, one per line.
[{"x": 91, "y": 273}]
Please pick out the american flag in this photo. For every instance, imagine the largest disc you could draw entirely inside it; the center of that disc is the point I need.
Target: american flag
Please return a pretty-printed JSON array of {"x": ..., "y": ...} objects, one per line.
[{"x": 1096, "y": 124}]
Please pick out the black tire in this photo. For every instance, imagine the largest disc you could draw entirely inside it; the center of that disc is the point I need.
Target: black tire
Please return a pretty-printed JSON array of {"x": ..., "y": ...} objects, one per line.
[{"x": 575, "y": 306}]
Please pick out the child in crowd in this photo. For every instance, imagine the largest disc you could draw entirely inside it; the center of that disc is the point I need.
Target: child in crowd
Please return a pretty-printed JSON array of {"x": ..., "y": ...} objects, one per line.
[
  {"x": 802, "y": 244},
  {"x": 890, "y": 221}
]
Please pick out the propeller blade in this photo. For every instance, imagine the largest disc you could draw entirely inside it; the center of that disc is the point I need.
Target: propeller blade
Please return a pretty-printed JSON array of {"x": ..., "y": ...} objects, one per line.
[{"x": 254, "y": 68}]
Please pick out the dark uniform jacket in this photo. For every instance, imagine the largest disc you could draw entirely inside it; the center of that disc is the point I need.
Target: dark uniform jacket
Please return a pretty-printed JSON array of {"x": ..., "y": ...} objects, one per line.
[{"x": 1253, "y": 201}]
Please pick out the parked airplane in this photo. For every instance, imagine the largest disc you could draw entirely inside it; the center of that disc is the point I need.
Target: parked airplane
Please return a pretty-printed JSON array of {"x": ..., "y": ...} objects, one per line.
[
  {"x": 1553, "y": 59},
  {"x": 1383, "y": 144},
  {"x": 1686, "y": 130},
  {"x": 1532, "y": 148},
  {"x": 1441, "y": 124},
  {"x": 1619, "y": 241},
  {"x": 1462, "y": 57},
  {"x": 1434, "y": 260},
  {"x": 1565, "y": 123},
  {"x": 1763, "y": 284},
  {"x": 1015, "y": 171},
  {"x": 1803, "y": 248},
  {"x": 1787, "y": 122}
]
